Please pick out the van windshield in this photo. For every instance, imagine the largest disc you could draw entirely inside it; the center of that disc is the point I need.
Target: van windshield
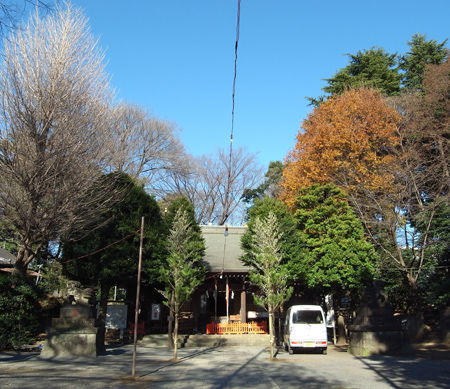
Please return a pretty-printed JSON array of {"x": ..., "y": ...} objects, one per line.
[{"x": 307, "y": 317}]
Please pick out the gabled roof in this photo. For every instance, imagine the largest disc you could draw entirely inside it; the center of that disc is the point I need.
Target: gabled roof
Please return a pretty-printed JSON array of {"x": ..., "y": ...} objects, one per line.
[
  {"x": 223, "y": 252},
  {"x": 6, "y": 258}
]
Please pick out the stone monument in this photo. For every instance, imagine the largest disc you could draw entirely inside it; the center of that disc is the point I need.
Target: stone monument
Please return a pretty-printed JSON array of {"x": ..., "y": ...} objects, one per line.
[
  {"x": 72, "y": 334},
  {"x": 375, "y": 330}
]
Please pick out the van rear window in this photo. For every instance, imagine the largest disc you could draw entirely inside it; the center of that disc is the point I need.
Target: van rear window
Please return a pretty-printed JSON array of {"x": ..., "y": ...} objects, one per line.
[{"x": 307, "y": 317}]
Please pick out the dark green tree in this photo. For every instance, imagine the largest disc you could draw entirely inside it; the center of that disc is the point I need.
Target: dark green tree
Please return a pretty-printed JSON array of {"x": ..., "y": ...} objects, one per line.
[
  {"x": 183, "y": 270},
  {"x": 108, "y": 258},
  {"x": 170, "y": 206},
  {"x": 421, "y": 53},
  {"x": 333, "y": 255},
  {"x": 261, "y": 208},
  {"x": 270, "y": 187},
  {"x": 374, "y": 68},
  {"x": 19, "y": 311}
]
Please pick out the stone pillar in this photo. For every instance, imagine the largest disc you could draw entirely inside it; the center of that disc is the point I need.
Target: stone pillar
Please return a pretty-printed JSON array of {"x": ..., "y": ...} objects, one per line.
[
  {"x": 243, "y": 311},
  {"x": 375, "y": 330},
  {"x": 341, "y": 334},
  {"x": 72, "y": 334}
]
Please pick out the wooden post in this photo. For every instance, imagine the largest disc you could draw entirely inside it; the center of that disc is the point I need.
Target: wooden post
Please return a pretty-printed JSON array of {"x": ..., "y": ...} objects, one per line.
[
  {"x": 215, "y": 300},
  {"x": 243, "y": 312},
  {"x": 138, "y": 290},
  {"x": 227, "y": 298}
]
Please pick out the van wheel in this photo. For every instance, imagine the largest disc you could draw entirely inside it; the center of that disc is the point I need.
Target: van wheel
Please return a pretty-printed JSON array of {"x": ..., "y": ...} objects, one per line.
[{"x": 324, "y": 351}]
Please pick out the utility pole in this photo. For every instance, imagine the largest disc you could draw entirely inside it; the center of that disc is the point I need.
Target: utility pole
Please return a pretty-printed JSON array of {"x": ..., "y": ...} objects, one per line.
[{"x": 138, "y": 290}]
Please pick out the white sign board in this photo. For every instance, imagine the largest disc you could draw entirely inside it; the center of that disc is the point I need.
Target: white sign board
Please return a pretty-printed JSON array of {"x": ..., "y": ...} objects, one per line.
[
  {"x": 116, "y": 316},
  {"x": 330, "y": 311},
  {"x": 156, "y": 311}
]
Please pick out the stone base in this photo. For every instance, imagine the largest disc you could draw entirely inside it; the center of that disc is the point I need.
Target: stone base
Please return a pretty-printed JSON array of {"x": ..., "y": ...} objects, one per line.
[
  {"x": 70, "y": 345},
  {"x": 366, "y": 343}
]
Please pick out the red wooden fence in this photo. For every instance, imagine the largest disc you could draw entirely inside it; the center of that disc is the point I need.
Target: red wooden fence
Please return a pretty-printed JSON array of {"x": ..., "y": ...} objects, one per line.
[{"x": 237, "y": 328}]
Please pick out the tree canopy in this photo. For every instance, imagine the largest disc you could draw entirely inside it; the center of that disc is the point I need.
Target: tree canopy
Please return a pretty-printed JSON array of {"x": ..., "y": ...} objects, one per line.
[
  {"x": 115, "y": 264},
  {"x": 373, "y": 68},
  {"x": 389, "y": 73},
  {"x": 422, "y": 52},
  {"x": 108, "y": 256},
  {"x": 346, "y": 140},
  {"x": 333, "y": 254},
  {"x": 54, "y": 94}
]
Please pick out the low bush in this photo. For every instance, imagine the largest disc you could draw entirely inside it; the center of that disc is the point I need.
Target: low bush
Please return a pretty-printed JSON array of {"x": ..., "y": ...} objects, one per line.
[{"x": 19, "y": 312}]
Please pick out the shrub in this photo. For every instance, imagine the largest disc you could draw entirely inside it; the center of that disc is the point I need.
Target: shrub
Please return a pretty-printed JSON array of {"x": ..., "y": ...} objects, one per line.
[{"x": 19, "y": 312}]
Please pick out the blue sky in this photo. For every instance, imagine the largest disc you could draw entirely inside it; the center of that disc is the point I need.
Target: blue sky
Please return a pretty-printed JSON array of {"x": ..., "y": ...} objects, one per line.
[{"x": 176, "y": 58}]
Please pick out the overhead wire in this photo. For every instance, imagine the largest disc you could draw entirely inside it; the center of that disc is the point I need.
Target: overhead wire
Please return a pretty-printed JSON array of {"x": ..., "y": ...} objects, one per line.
[
  {"x": 236, "y": 44},
  {"x": 101, "y": 249}
]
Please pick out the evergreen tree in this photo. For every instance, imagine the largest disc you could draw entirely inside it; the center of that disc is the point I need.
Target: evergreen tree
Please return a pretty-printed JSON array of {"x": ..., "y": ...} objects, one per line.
[
  {"x": 333, "y": 255},
  {"x": 286, "y": 223},
  {"x": 183, "y": 271},
  {"x": 374, "y": 68},
  {"x": 112, "y": 260},
  {"x": 422, "y": 52},
  {"x": 271, "y": 185},
  {"x": 268, "y": 272}
]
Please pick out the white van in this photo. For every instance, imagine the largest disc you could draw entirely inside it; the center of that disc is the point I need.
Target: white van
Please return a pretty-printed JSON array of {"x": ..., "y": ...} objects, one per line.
[{"x": 305, "y": 328}]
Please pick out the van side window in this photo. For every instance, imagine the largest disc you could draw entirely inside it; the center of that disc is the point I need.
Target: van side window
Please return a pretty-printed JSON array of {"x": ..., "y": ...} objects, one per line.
[{"x": 307, "y": 317}]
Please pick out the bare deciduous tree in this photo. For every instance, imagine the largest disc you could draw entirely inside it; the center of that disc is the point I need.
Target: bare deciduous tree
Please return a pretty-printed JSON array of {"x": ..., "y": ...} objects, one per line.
[
  {"x": 12, "y": 11},
  {"x": 53, "y": 111},
  {"x": 141, "y": 145},
  {"x": 215, "y": 185},
  {"x": 402, "y": 221}
]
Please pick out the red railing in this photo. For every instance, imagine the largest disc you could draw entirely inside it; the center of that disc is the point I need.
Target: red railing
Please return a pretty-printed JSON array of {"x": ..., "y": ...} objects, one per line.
[
  {"x": 237, "y": 328},
  {"x": 140, "y": 328}
]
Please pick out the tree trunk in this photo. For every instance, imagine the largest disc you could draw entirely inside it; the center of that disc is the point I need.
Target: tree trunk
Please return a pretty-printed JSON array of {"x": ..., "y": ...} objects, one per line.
[
  {"x": 19, "y": 272},
  {"x": 101, "y": 318},
  {"x": 175, "y": 338},
  {"x": 272, "y": 334},
  {"x": 23, "y": 259},
  {"x": 280, "y": 327},
  {"x": 170, "y": 324}
]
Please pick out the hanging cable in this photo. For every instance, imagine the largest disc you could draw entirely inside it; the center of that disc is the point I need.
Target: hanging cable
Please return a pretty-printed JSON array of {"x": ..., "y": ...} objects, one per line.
[
  {"x": 102, "y": 249},
  {"x": 235, "y": 72},
  {"x": 238, "y": 21}
]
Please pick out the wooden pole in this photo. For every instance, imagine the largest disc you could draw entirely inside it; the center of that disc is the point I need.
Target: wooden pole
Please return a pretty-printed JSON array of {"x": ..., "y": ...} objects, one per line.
[
  {"x": 138, "y": 291},
  {"x": 227, "y": 298}
]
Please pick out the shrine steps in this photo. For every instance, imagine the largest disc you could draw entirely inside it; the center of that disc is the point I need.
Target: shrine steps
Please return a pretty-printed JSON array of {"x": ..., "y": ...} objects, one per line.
[{"x": 202, "y": 340}]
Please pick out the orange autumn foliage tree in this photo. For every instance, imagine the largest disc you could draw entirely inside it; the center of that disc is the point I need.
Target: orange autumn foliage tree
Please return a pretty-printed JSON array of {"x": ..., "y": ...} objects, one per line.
[{"x": 347, "y": 141}]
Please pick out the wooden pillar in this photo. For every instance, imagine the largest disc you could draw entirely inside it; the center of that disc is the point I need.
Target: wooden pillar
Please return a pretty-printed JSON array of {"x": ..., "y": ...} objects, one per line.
[
  {"x": 243, "y": 312},
  {"x": 195, "y": 306}
]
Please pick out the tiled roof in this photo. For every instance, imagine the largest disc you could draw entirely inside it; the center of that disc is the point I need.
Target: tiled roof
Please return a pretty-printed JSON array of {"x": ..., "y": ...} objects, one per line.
[
  {"x": 223, "y": 252},
  {"x": 6, "y": 258}
]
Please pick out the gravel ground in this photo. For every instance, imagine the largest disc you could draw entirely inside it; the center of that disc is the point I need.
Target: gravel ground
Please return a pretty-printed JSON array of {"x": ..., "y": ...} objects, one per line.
[{"x": 226, "y": 367}]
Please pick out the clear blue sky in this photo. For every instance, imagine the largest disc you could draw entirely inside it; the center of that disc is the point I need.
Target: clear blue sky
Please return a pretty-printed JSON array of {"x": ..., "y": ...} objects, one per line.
[{"x": 176, "y": 58}]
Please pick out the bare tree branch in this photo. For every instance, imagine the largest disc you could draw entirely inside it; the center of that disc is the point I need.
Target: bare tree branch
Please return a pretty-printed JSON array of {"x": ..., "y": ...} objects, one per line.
[
  {"x": 54, "y": 112},
  {"x": 141, "y": 145},
  {"x": 215, "y": 187}
]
